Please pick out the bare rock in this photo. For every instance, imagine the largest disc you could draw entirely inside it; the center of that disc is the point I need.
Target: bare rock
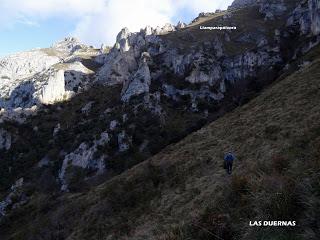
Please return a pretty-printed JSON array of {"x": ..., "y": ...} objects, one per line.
[
  {"x": 5, "y": 140},
  {"x": 54, "y": 90},
  {"x": 140, "y": 82}
]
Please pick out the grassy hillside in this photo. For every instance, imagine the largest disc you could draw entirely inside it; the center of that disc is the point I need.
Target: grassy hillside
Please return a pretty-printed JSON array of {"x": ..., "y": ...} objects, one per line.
[{"x": 184, "y": 193}]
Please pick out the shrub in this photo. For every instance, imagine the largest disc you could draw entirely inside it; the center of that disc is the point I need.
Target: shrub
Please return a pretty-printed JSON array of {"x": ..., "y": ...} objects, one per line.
[
  {"x": 271, "y": 131},
  {"x": 176, "y": 232},
  {"x": 239, "y": 184},
  {"x": 277, "y": 198},
  {"x": 279, "y": 163}
]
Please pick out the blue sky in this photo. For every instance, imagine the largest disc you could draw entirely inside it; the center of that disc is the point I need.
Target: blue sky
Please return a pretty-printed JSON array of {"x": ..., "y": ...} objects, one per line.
[
  {"x": 27, "y": 24},
  {"x": 24, "y": 37}
]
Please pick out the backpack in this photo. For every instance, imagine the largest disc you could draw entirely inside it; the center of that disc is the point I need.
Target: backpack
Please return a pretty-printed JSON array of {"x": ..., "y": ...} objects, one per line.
[{"x": 229, "y": 157}]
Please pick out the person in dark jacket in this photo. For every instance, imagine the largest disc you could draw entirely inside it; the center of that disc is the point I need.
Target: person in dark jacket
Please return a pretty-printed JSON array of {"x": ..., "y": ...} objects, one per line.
[{"x": 228, "y": 161}]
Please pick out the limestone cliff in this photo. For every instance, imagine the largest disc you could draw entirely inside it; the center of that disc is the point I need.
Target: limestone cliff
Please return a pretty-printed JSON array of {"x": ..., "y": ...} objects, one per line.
[{"x": 54, "y": 90}]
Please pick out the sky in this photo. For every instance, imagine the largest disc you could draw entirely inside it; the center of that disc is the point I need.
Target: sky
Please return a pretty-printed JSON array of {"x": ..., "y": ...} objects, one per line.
[{"x": 29, "y": 24}]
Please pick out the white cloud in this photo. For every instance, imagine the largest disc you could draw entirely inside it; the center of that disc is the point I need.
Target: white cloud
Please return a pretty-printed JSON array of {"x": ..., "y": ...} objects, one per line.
[
  {"x": 12, "y": 11},
  {"x": 99, "y": 21},
  {"x": 117, "y": 14}
]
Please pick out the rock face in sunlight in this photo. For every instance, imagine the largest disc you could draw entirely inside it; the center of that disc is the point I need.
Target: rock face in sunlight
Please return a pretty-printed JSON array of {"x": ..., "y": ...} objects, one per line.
[
  {"x": 25, "y": 64},
  {"x": 54, "y": 90},
  {"x": 140, "y": 82},
  {"x": 69, "y": 44},
  {"x": 34, "y": 77}
]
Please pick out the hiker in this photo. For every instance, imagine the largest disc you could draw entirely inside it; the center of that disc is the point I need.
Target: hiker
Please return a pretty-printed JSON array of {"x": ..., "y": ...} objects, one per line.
[{"x": 228, "y": 160}]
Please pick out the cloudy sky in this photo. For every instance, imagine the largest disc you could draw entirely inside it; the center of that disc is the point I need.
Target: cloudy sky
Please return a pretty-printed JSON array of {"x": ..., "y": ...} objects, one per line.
[{"x": 26, "y": 24}]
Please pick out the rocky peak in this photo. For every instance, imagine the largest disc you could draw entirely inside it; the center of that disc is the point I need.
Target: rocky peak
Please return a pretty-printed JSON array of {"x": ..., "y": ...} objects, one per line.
[
  {"x": 68, "y": 45},
  {"x": 122, "y": 42},
  {"x": 181, "y": 25},
  {"x": 236, "y": 4},
  {"x": 148, "y": 31}
]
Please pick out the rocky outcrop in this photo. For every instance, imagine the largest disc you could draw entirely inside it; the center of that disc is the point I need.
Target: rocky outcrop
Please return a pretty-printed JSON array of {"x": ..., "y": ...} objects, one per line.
[
  {"x": 54, "y": 90},
  {"x": 181, "y": 25},
  {"x": 5, "y": 140},
  {"x": 23, "y": 65},
  {"x": 87, "y": 108},
  {"x": 314, "y": 8},
  {"x": 246, "y": 65},
  {"x": 307, "y": 16},
  {"x": 205, "y": 71},
  {"x": 236, "y": 4},
  {"x": 68, "y": 45},
  {"x": 18, "y": 115},
  {"x": 124, "y": 64},
  {"x": 140, "y": 82},
  {"x": 34, "y": 77},
  {"x": 122, "y": 42},
  {"x": 15, "y": 199},
  {"x": 272, "y": 9},
  {"x": 168, "y": 27},
  {"x": 84, "y": 157},
  {"x": 124, "y": 60},
  {"x": 123, "y": 141}
]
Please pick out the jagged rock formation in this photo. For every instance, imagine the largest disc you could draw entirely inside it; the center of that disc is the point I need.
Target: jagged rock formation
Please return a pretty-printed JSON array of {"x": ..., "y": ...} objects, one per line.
[
  {"x": 35, "y": 77},
  {"x": 181, "y": 25},
  {"x": 140, "y": 82},
  {"x": 68, "y": 45}
]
